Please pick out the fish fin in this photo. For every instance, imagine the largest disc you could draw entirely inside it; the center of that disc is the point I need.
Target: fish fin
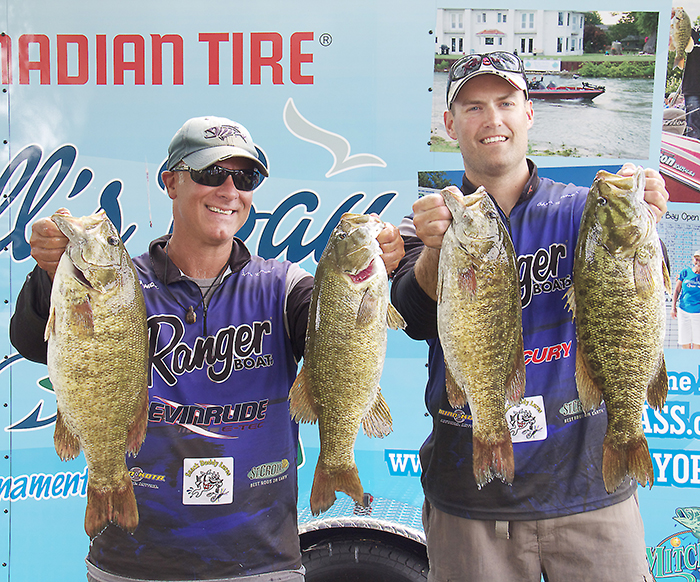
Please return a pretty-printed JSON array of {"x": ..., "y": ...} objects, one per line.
[
  {"x": 588, "y": 392},
  {"x": 326, "y": 484},
  {"x": 570, "y": 298},
  {"x": 493, "y": 459},
  {"x": 65, "y": 442},
  {"x": 301, "y": 405},
  {"x": 116, "y": 505},
  {"x": 632, "y": 458},
  {"x": 667, "y": 278},
  {"x": 368, "y": 308},
  {"x": 658, "y": 387},
  {"x": 455, "y": 395},
  {"x": 690, "y": 45},
  {"x": 643, "y": 276},
  {"x": 679, "y": 61},
  {"x": 137, "y": 430},
  {"x": 377, "y": 422},
  {"x": 468, "y": 282},
  {"x": 394, "y": 319},
  {"x": 83, "y": 317},
  {"x": 515, "y": 385},
  {"x": 50, "y": 324}
]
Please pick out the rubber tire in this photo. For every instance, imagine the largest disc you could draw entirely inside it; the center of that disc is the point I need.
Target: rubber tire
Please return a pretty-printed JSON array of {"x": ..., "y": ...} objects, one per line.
[{"x": 346, "y": 560}]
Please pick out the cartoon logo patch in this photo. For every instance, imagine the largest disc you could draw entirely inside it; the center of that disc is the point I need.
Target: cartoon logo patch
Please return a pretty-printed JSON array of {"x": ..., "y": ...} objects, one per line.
[
  {"x": 527, "y": 421},
  {"x": 207, "y": 481}
]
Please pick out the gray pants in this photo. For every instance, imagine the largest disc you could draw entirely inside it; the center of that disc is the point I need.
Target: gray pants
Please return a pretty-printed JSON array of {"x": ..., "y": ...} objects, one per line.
[
  {"x": 96, "y": 575},
  {"x": 605, "y": 545}
]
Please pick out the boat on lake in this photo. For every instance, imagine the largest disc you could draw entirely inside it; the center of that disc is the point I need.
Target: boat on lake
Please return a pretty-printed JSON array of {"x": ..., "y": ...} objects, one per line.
[{"x": 584, "y": 91}]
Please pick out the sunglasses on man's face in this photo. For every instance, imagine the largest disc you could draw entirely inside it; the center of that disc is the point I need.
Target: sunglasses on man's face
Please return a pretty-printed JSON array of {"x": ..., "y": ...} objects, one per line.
[{"x": 243, "y": 180}]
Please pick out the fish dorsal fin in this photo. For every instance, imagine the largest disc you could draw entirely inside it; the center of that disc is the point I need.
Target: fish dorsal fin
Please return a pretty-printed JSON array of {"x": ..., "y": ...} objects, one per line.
[
  {"x": 570, "y": 298},
  {"x": 301, "y": 404},
  {"x": 377, "y": 422}
]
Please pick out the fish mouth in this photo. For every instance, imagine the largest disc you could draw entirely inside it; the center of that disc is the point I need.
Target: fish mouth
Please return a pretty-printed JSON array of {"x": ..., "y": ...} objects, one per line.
[{"x": 217, "y": 210}]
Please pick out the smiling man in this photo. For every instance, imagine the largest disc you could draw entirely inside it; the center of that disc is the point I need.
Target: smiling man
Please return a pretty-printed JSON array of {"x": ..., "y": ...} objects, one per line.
[
  {"x": 205, "y": 515},
  {"x": 555, "y": 520}
]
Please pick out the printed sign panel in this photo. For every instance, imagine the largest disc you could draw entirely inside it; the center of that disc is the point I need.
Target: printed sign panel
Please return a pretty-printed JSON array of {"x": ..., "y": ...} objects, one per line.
[{"x": 346, "y": 104}]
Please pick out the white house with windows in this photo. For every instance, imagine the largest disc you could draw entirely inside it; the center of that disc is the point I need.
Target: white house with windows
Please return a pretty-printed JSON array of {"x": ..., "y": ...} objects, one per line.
[{"x": 528, "y": 32}]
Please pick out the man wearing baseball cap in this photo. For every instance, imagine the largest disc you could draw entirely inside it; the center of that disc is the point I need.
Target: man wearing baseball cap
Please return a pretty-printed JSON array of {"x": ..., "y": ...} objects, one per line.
[
  {"x": 555, "y": 519},
  {"x": 227, "y": 329}
]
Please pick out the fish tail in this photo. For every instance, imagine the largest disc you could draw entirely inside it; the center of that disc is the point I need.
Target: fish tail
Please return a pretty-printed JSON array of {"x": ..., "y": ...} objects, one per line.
[
  {"x": 631, "y": 458},
  {"x": 493, "y": 459},
  {"x": 116, "y": 505},
  {"x": 326, "y": 484},
  {"x": 65, "y": 442}
]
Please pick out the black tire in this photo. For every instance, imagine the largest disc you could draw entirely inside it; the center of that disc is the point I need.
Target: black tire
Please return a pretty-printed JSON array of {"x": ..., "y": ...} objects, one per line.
[{"x": 345, "y": 560}]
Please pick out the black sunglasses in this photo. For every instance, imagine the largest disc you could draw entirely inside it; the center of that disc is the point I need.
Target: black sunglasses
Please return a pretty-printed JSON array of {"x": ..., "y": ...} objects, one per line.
[{"x": 243, "y": 180}]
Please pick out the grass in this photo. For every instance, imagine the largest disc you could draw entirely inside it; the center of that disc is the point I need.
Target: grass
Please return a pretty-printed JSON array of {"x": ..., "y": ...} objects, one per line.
[
  {"x": 443, "y": 62},
  {"x": 439, "y": 144}
]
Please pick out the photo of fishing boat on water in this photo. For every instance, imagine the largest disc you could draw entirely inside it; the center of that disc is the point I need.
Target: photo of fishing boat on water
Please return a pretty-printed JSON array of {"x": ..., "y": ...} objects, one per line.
[{"x": 587, "y": 79}]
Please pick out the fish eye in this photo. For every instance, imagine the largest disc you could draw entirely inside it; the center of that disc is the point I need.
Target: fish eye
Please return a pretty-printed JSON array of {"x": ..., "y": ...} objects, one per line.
[
  {"x": 113, "y": 241},
  {"x": 602, "y": 201},
  {"x": 342, "y": 235}
]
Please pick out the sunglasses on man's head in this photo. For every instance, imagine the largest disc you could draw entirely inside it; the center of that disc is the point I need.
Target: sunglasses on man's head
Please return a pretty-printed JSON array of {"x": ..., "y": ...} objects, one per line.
[
  {"x": 243, "y": 180},
  {"x": 499, "y": 60}
]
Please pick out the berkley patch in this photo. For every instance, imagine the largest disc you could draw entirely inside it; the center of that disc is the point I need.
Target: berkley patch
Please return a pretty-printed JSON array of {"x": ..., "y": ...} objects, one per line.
[{"x": 268, "y": 470}]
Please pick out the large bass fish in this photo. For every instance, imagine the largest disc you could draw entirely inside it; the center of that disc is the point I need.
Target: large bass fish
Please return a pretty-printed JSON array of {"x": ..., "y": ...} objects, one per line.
[
  {"x": 680, "y": 39},
  {"x": 338, "y": 384},
  {"x": 479, "y": 317},
  {"x": 97, "y": 361},
  {"x": 618, "y": 303}
]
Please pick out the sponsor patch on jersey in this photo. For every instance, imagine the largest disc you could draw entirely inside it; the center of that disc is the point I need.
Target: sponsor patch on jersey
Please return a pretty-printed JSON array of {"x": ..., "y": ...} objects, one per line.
[
  {"x": 269, "y": 470},
  {"x": 207, "y": 481},
  {"x": 527, "y": 421},
  {"x": 139, "y": 478}
]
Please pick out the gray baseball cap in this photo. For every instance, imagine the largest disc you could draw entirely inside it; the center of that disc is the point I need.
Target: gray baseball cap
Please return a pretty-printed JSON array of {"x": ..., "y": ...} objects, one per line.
[{"x": 203, "y": 141}]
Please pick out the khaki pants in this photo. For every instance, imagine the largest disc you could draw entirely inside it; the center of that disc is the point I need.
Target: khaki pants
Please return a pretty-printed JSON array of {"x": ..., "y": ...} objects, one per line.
[{"x": 605, "y": 545}]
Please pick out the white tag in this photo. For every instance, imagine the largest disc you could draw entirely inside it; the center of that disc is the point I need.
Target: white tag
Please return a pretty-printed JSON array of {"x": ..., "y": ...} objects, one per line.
[
  {"x": 527, "y": 421},
  {"x": 207, "y": 481}
]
